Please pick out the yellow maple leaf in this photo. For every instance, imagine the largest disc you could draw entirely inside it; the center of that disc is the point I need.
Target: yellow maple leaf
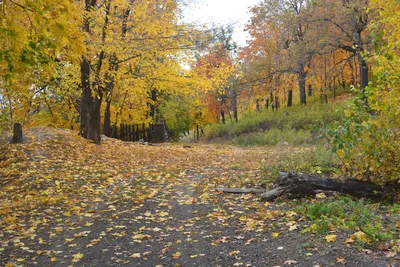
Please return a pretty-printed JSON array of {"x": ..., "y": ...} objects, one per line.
[
  {"x": 274, "y": 235},
  {"x": 361, "y": 236},
  {"x": 330, "y": 238}
]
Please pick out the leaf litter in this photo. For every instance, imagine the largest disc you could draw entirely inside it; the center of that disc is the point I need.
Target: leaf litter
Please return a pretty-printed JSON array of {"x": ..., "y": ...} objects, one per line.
[{"x": 67, "y": 201}]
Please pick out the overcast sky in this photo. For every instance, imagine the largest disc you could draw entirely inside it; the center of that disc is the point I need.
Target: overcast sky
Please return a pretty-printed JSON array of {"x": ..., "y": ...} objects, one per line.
[{"x": 220, "y": 12}]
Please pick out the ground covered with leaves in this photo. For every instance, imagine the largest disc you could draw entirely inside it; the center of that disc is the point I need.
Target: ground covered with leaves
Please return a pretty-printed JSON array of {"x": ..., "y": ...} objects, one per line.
[{"x": 67, "y": 202}]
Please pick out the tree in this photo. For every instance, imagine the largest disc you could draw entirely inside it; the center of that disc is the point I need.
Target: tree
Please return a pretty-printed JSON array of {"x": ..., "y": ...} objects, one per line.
[
  {"x": 291, "y": 20},
  {"x": 36, "y": 37},
  {"x": 128, "y": 43},
  {"x": 350, "y": 20},
  {"x": 367, "y": 137}
]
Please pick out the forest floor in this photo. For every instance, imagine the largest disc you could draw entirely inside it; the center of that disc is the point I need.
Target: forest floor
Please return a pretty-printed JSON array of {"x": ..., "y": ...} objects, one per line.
[{"x": 67, "y": 202}]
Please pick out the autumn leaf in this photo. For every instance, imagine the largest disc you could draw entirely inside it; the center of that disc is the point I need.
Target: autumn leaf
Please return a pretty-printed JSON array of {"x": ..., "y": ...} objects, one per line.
[
  {"x": 275, "y": 235},
  {"x": 330, "y": 238},
  {"x": 340, "y": 260},
  {"x": 290, "y": 262},
  {"x": 77, "y": 257},
  {"x": 177, "y": 255},
  {"x": 361, "y": 236},
  {"x": 135, "y": 255},
  {"x": 234, "y": 252}
]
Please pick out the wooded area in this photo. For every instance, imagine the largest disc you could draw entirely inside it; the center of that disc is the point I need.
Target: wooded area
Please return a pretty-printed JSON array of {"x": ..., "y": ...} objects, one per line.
[
  {"x": 118, "y": 61},
  {"x": 302, "y": 122}
]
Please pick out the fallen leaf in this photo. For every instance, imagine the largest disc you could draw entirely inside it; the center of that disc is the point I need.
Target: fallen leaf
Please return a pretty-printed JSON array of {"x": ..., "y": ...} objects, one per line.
[
  {"x": 234, "y": 252},
  {"x": 349, "y": 241},
  {"x": 361, "y": 236},
  {"x": 177, "y": 255},
  {"x": 76, "y": 257},
  {"x": 330, "y": 238},
  {"x": 275, "y": 235},
  {"x": 340, "y": 260}
]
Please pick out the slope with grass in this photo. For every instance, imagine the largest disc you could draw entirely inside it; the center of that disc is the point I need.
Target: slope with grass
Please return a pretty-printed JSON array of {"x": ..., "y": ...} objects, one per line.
[{"x": 296, "y": 125}]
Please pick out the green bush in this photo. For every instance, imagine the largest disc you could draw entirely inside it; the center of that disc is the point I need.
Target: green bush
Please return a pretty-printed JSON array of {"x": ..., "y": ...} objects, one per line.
[
  {"x": 177, "y": 116},
  {"x": 367, "y": 140}
]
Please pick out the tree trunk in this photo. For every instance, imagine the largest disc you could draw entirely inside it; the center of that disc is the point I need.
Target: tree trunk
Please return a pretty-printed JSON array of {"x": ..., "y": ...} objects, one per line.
[
  {"x": 363, "y": 74},
  {"x": 302, "y": 85},
  {"x": 234, "y": 105},
  {"x": 17, "y": 133},
  {"x": 107, "y": 119},
  {"x": 90, "y": 108},
  {"x": 153, "y": 105},
  {"x": 223, "y": 116},
  {"x": 86, "y": 102},
  {"x": 94, "y": 122},
  {"x": 300, "y": 185},
  {"x": 277, "y": 105},
  {"x": 304, "y": 185},
  {"x": 258, "y": 106},
  {"x": 290, "y": 98},
  {"x": 310, "y": 91}
]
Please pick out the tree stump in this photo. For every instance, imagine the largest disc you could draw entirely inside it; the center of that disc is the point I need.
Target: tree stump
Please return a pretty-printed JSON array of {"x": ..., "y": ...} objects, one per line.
[{"x": 17, "y": 134}]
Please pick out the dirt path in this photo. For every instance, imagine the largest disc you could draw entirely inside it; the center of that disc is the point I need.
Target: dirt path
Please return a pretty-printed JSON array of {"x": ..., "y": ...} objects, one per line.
[{"x": 157, "y": 207}]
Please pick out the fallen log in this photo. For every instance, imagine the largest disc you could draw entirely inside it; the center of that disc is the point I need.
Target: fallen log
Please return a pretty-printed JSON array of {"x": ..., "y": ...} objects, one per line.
[
  {"x": 300, "y": 185},
  {"x": 241, "y": 190}
]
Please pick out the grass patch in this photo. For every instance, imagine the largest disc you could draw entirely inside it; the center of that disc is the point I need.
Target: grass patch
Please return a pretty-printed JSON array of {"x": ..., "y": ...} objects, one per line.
[
  {"x": 274, "y": 137},
  {"x": 295, "y": 118},
  {"x": 294, "y": 125},
  {"x": 318, "y": 159},
  {"x": 347, "y": 214}
]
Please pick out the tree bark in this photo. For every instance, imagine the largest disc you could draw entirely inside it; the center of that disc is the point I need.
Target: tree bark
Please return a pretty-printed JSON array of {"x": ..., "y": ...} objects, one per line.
[
  {"x": 107, "y": 119},
  {"x": 363, "y": 73},
  {"x": 86, "y": 102},
  {"x": 234, "y": 105},
  {"x": 153, "y": 105},
  {"x": 310, "y": 91},
  {"x": 301, "y": 185},
  {"x": 302, "y": 85},
  {"x": 290, "y": 98},
  {"x": 17, "y": 133}
]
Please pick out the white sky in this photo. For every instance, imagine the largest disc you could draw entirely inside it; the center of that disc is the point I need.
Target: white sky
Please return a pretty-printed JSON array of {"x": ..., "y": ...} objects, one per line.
[{"x": 220, "y": 12}]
